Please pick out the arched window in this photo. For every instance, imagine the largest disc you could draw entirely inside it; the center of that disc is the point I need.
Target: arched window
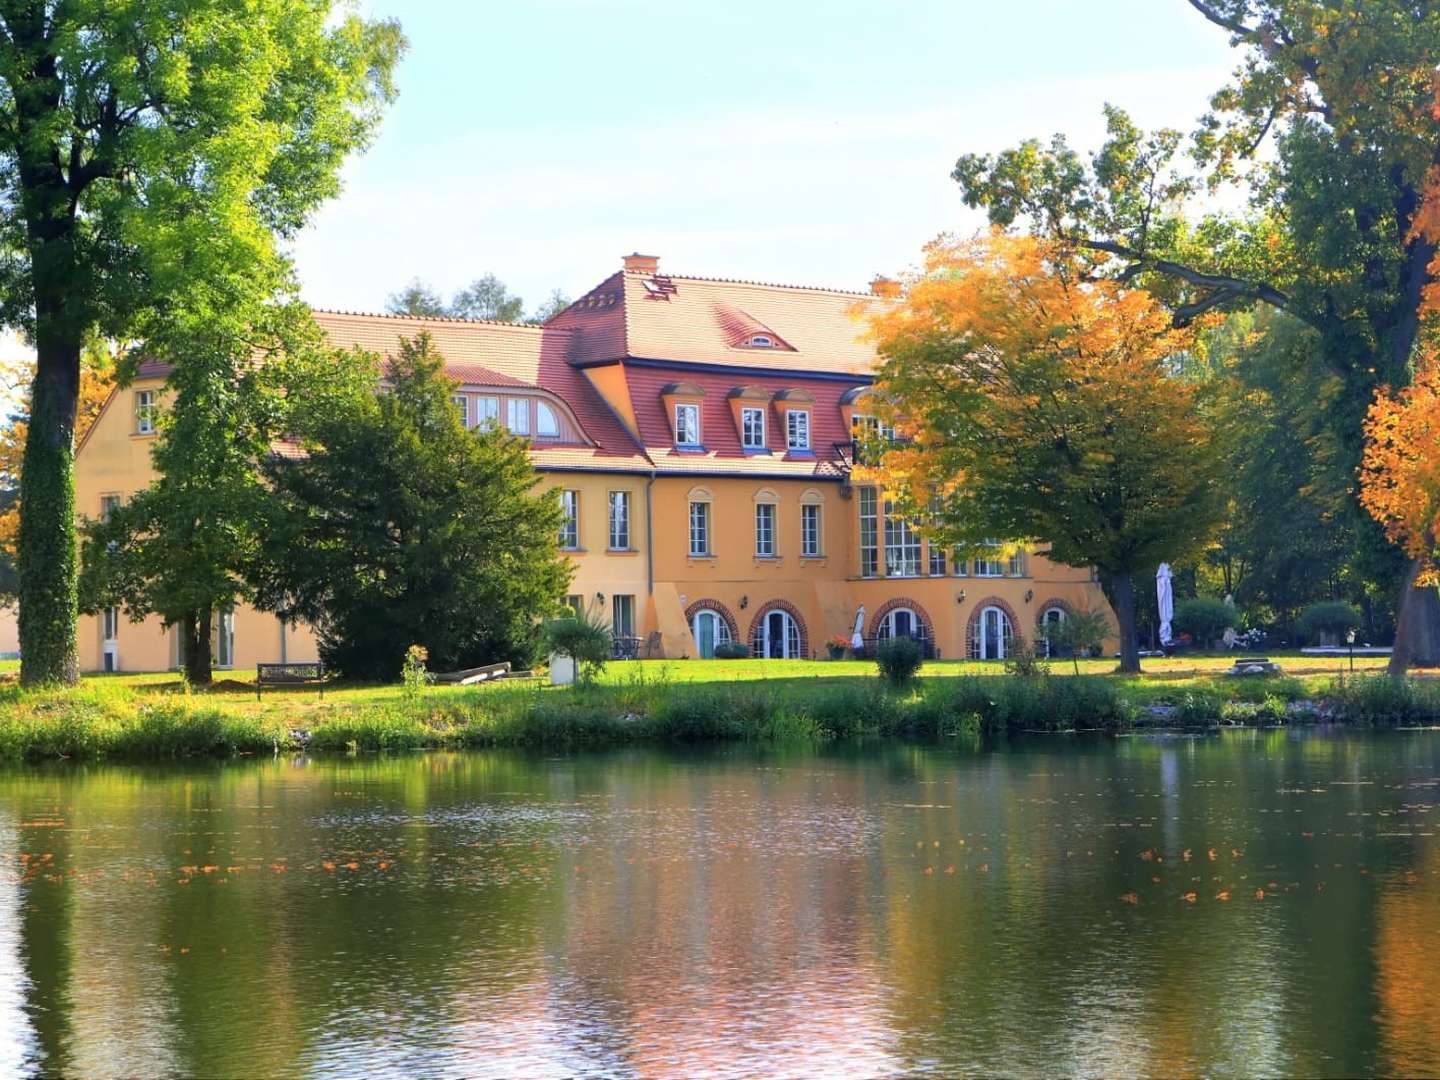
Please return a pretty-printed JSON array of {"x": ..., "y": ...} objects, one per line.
[
  {"x": 902, "y": 622},
  {"x": 761, "y": 341},
  {"x": 990, "y": 634},
  {"x": 1053, "y": 615},
  {"x": 710, "y": 629},
  {"x": 776, "y": 637},
  {"x": 547, "y": 424}
]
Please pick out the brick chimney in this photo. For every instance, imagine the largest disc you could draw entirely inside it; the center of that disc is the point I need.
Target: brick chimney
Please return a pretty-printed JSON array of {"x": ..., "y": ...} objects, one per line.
[
  {"x": 642, "y": 264},
  {"x": 882, "y": 286}
]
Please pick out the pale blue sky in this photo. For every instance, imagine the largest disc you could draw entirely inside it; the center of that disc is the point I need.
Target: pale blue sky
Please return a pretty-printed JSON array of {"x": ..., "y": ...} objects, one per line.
[{"x": 805, "y": 143}]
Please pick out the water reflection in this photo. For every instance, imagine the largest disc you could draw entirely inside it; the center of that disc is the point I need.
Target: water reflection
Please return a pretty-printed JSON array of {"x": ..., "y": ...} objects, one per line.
[{"x": 1262, "y": 903}]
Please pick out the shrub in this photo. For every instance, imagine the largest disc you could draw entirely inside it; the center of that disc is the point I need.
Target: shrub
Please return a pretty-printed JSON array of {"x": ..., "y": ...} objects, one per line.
[
  {"x": 899, "y": 659},
  {"x": 1334, "y": 617},
  {"x": 1384, "y": 699},
  {"x": 412, "y": 670},
  {"x": 1024, "y": 659},
  {"x": 585, "y": 639},
  {"x": 731, "y": 650},
  {"x": 1079, "y": 633},
  {"x": 1205, "y": 618}
]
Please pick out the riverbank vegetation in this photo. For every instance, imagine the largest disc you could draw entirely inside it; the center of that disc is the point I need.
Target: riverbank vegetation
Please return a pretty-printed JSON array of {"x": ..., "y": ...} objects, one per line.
[{"x": 157, "y": 717}]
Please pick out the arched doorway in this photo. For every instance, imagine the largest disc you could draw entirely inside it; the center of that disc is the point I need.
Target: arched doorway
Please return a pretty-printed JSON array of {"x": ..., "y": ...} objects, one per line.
[
  {"x": 710, "y": 630},
  {"x": 1053, "y": 615},
  {"x": 991, "y": 634},
  {"x": 776, "y": 636}
]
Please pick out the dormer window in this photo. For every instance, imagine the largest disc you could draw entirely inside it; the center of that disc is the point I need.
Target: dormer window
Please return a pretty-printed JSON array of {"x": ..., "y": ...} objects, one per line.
[
  {"x": 547, "y": 424},
  {"x": 462, "y": 408},
  {"x": 517, "y": 416},
  {"x": 762, "y": 341},
  {"x": 752, "y": 428},
  {"x": 687, "y": 425},
  {"x": 797, "y": 429}
]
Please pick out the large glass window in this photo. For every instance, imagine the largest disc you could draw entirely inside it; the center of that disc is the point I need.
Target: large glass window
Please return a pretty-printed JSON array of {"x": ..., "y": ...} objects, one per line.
[
  {"x": 225, "y": 637},
  {"x": 810, "y": 529},
  {"x": 517, "y": 416},
  {"x": 752, "y": 428},
  {"x": 937, "y": 560},
  {"x": 869, "y": 533},
  {"x": 547, "y": 424},
  {"x": 1017, "y": 564},
  {"x": 687, "y": 425},
  {"x": 699, "y": 528},
  {"x": 570, "y": 520},
  {"x": 797, "y": 429},
  {"x": 622, "y": 616},
  {"x": 765, "y": 529},
  {"x": 902, "y": 545},
  {"x": 462, "y": 408},
  {"x": 619, "y": 521},
  {"x": 991, "y": 567}
]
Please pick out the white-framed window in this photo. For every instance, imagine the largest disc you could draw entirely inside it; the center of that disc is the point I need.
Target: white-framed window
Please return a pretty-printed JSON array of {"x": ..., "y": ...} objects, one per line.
[
  {"x": 752, "y": 428},
  {"x": 487, "y": 412},
  {"x": 462, "y": 408},
  {"x": 687, "y": 425},
  {"x": 937, "y": 561},
  {"x": 902, "y": 545},
  {"x": 797, "y": 429},
  {"x": 710, "y": 629},
  {"x": 869, "y": 533},
  {"x": 108, "y": 505},
  {"x": 224, "y": 636},
  {"x": 517, "y": 416},
  {"x": 765, "y": 529},
  {"x": 810, "y": 529},
  {"x": 776, "y": 637},
  {"x": 1017, "y": 564},
  {"x": 902, "y": 623},
  {"x": 619, "y": 521},
  {"x": 547, "y": 424},
  {"x": 570, "y": 520},
  {"x": 145, "y": 412},
  {"x": 699, "y": 528},
  {"x": 109, "y": 623},
  {"x": 991, "y": 567},
  {"x": 761, "y": 341},
  {"x": 1052, "y": 616},
  {"x": 958, "y": 566}
]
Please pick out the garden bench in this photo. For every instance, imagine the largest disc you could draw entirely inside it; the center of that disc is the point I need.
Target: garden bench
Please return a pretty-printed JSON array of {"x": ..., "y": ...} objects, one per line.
[{"x": 306, "y": 674}]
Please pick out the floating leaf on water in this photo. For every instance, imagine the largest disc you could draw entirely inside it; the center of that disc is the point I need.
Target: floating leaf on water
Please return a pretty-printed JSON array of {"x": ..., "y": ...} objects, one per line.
[
  {"x": 1189, "y": 898},
  {"x": 1130, "y": 898}
]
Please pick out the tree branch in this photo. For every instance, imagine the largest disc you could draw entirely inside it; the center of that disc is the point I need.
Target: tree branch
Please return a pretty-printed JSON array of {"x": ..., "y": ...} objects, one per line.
[{"x": 1220, "y": 20}]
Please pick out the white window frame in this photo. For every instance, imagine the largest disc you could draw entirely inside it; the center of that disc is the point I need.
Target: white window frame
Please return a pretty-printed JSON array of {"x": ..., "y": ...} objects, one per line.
[
  {"x": 144, "y": 412},
  {"x": 721, "y": 633},
  {"x": 224, "y": 637},
  {"x": 752, "y": 427},
  {"x": 811, "y": 530},
  {"x": 570, "y": 521},
  {"x": 487, "y": 411},
  {"x": 902, "y": 545},
  {"x": 517, "y": 415},
  {"x": 462, "y": 406},
  {"x": 797, "y": 429},
  {"x": 687, "y": 431},
  {"x": 869, "y": 532},
  {"x": 765, "y": 519},
  {"x": 619, "y": 520},
  {"x": 622, "y": 615},
  {"x": 699, "y": 528},
  {"x": 547, "y": 421}
]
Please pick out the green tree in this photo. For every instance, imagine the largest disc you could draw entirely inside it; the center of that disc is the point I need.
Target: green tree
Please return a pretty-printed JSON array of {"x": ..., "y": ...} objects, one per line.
[
  {"x": 1079, "y": 633},
  {"x": 154, "y": 154},
  {"x": 551, "y": 306},
  {"x": 417, "y": 299},
  {"x": 183, "y": 548},
  {"x": 1341, "y": 94},
  {"x": 487, "y": 298},
  {"x": 397, "y": 526}
]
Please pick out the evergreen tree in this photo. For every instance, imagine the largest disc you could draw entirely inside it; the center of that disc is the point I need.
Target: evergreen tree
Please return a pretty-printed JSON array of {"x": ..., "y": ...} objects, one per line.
[{"x": 395, "y": 526}]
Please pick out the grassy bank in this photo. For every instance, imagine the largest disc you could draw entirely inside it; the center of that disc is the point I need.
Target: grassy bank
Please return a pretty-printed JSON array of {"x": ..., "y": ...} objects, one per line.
[{"x": 145, "y": 719}]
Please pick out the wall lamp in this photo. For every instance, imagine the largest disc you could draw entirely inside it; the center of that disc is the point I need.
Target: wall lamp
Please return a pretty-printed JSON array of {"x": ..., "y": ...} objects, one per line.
[
  {"x": 961, "y": 598},
  {"x": 744, "y": 602},
  {"x": 1029, "y": 595},
  {"x": 599, "y": 597}
]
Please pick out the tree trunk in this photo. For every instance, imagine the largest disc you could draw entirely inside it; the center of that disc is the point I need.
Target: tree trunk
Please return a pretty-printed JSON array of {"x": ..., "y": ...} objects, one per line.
[
  {"x": 1417, "y": 626},
  {"x": 1121, "y": 592},
  {"x": 46, "y": 554},
  {"x": 195, "y": 640}
]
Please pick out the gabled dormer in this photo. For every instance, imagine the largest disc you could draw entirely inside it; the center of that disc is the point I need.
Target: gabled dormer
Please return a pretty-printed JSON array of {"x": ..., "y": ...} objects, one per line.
[
  {"x": 684, "y": 411},
  {"x": 750, "y": 409}
]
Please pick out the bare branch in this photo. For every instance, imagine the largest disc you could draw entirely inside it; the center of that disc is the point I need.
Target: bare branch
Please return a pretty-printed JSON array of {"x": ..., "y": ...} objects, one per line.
[{"x": 1220, "y": 20}]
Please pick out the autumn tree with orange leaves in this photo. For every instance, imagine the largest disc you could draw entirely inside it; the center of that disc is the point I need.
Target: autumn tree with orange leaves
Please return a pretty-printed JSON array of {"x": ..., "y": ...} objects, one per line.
[{"x": 1035, "y": 405}]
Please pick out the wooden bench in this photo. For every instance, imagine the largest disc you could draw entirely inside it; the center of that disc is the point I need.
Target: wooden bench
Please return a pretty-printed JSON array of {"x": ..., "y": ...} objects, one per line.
[{"x": 307, "y": 674}]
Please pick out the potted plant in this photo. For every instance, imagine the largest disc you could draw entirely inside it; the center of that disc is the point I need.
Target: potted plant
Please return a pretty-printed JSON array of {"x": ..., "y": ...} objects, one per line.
[{"x": 836, "y": 646}]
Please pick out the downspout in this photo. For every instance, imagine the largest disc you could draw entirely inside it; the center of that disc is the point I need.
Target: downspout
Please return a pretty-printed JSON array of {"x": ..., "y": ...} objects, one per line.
[{"x": 649, "y": 537}]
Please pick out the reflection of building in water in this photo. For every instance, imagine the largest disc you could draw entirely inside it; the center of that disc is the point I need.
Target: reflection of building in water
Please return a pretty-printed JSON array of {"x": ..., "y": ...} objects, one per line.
[{"x": 18, "y": 1045}]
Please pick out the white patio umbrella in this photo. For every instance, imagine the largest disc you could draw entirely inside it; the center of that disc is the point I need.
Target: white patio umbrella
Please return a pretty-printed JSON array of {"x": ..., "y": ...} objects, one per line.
[
  {"x": 1165, "y": 598},
  {"x": 857, "y": 640}
]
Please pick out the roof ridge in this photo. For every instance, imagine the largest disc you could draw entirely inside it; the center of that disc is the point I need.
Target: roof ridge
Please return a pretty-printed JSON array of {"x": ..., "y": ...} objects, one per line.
[
  {"x": 758, "y": 284},
  {"x": 436, "y": 319}
]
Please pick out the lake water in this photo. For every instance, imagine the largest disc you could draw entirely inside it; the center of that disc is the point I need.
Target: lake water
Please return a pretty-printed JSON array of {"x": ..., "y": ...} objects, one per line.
[{"x": 1252, "y": 903}]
